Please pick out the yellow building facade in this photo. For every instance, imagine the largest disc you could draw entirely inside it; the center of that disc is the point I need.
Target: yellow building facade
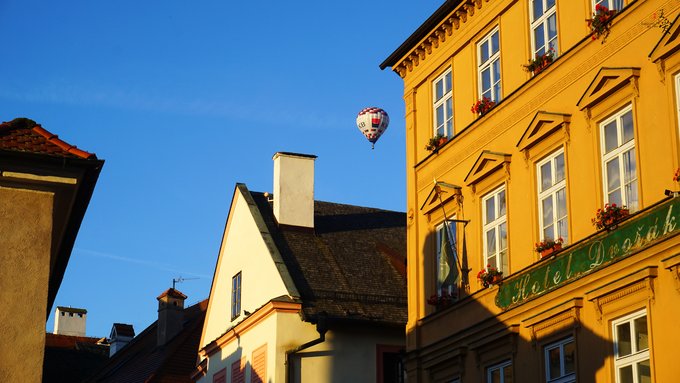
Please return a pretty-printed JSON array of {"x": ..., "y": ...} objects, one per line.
[{"x": 593, "y": 120}]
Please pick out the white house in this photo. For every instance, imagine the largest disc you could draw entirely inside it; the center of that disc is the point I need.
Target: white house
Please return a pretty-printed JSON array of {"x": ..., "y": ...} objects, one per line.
[{"x": 303, "y": 290}]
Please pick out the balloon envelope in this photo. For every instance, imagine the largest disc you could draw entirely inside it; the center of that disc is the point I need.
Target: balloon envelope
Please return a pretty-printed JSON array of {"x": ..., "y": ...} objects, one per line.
[{"x": 372, "y": 122}]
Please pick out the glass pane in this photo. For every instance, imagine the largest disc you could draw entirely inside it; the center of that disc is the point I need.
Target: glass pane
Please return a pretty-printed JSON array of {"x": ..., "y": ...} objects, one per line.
[
  {"x": 484, "y": 52},
  {"x": 626, "y": 374},
  {"x": 538, "y": 8},
  {"x": 486, "y": 79},
  {"x": 550, "y": 4},
  {"x": 554, "y": 363},
  {"x": 627, "y": 122},
  {"x": 623, "y": 339},
  {"x": 561, "y": 203},
  {"x": 548, "y": 232},
  {"x": 613, "y": 179},
  {"x": 562, "y": 230},
  {"x": 438, "y": 90},
  {"x": 449, "y": 108},
  {"x": 569, "y": 357},
  {"x": 644, "y": 372},
  {"x": 552, "y": 26},
  {"x": 440, "y": 115},
  {"x": 491, "y": 242},
  {"x": 494, "y": 43},
  {"x": 501, "y": 203},
  {"x": 496, "y": 71},
  {"x": 449, "y": 128},
  {"x": 616, "y": 4},
  {"x": 503, "y": 236},
  {"x": 629, "y": 166},
  {"x": 546, "y": 176},
  {"x": 487, "y": 94},
  {"x": 559, "y": 168},
  {"x": 539, "y": 39},
  {"x": 632, "y": 196},
  {"x": 610, "y": 137},
  {"x": 641, "y": 336},
  {"x": 507, "y": 374},
  {"x": 547, "y": 205},
  {"x": 496, "y": 376},
  {"x": 447, "y": 82},
  {"x": 490, "y": 210}
]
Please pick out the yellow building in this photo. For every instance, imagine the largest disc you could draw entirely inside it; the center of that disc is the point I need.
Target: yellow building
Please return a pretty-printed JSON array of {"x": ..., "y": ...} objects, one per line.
[{"x": 596, "y": 122}]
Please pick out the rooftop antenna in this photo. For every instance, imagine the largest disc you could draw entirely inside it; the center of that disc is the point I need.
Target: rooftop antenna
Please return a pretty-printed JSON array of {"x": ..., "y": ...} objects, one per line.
[{"x": 180, "y": 279}]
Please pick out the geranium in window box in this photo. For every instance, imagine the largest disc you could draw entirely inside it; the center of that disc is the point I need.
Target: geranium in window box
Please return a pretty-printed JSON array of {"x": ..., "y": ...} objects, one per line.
[
  {"x": 540, "y": 62},
  {"x": 435, "y": 142},
  {"x": 442, "y": 299},
  {"x": 601, "y": 22},
  {"x": 490, "y": 276},
  {"x": 483, "y": 106},
  {"x": 549, "y": 246},
  {"x": 609, "y": 217}
]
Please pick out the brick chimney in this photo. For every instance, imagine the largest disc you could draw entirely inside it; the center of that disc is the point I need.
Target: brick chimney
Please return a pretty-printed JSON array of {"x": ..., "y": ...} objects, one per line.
[
  {"x": 170, "y": 315},
  {"x": 294, "y": 189}
]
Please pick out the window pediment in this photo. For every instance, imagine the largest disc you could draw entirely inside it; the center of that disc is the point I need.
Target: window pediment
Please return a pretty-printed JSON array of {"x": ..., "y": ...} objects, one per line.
[
  {"x": 668, "y": 44},
  {"x": 440, "y": 193},
  {"x": 606, "y": 82},
  {"x": 487, "y": 163},
  {"x": 542, "y": 125}
]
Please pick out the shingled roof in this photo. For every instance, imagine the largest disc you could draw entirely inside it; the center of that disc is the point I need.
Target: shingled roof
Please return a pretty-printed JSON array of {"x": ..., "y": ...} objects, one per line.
[
  {"x": 25, "y": 135},
  {"x": 142, "y": 360},
  {"x": 351, "y": 267}
]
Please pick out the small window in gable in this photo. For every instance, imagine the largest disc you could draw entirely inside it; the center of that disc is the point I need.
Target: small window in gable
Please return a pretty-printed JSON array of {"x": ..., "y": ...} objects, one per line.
[
  {"x": 236, "y": 296},
  {"x": 442, "y": 102}
]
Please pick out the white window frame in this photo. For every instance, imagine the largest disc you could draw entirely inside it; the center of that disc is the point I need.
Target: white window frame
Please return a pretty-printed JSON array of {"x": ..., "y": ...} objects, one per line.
[
  {"x": 501, "y": 255},
  {"x": 537, "y": 21},
  {"x": 560, "y": 224},
  {"x": 489, "y": 64},
  {"x": 501, "y": 367},
  {"x": 445, "y": 100},
  {"x": 452, "y": 233},
  {"x": 564, "y": 376},
  {"x": 636, "y": 355},
  {"x": 618, "y": 153},
  {"x": 610, "y": 4}
]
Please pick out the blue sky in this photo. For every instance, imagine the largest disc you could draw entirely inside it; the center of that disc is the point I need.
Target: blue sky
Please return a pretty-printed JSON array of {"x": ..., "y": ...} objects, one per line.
[{"x": 183, "y": 99}]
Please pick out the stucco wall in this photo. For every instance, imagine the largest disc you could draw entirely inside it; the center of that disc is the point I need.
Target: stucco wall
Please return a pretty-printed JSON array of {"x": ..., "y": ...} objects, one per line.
[
  {"x": 242, "y": 250},
  {"x": 25, "y": 236}
]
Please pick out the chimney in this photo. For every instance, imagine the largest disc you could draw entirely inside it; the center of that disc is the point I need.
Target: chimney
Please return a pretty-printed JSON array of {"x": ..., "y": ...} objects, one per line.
[
  {"x": 170, "y": 315},
  {"x": 121, "y": 334},
  {"x": 294, "y": 189},
  {"x": 70, "y": 321}
]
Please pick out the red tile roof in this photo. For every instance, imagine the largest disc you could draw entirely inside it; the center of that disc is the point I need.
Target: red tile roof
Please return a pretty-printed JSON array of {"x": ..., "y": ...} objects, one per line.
[
  {"x": 173, "y": 293},
  {"x": 123, "y": 329},
  {"x": 67, "y": 341},
  {"x": 25, "y": 135}
]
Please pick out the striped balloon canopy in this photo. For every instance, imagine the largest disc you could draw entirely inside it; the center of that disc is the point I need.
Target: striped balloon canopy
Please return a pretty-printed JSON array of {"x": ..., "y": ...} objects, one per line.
[{"x": 372, "y": 122}]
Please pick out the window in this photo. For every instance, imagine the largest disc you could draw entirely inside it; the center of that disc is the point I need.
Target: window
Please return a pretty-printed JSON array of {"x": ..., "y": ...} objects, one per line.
[
  {"x": 447, "y": 267},
  {"x": 560, "y": 362},
  {"x": 236, "y": 296},
  {"x": 489, "y": 70},
  {"x": 552, "y": 197},
  {"x": 631, "y": 349},
  {"x": 543, "y": 26},
  {"x": 220, "y": 376},
  {"x": 495, "y": 230},
  {"x": 610, "y": 4},
  {"x": 500, "y": 373},
  {"x": 238, "y": 371},
  {"x": 443, "y": 105},
  {"x": 618, "y": 159}
]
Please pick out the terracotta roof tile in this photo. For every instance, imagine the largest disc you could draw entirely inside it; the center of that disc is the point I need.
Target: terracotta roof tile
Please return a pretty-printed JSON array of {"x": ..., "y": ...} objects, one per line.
[{"x": 25, "y": 135}]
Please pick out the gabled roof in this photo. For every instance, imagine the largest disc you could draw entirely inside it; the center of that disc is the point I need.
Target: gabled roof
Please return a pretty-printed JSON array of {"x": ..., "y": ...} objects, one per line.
[
  {"x": 173, "y": 293},
  {"x": 142, "y": 360},
  {"x": 72, "y": 358},
  {"x": 122, "y": 329},
  {"x": 35, "y": 159},
  {"x": 345, "y": 268}
]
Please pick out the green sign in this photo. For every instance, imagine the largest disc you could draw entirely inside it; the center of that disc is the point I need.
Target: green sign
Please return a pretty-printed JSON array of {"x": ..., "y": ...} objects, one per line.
[{"x": 640, "y": 231}]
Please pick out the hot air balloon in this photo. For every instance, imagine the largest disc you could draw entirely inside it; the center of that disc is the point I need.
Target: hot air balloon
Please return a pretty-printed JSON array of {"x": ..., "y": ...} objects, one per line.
[{"x": 372, "y": 122}]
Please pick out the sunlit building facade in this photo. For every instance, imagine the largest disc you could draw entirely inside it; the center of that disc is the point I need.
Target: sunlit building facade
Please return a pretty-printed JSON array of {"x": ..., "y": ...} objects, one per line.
[{"x": 523, "y": 118}]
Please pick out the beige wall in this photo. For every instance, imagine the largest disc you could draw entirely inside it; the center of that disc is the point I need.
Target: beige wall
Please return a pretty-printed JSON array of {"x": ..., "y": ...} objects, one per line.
[
  {"x": 25, "y": 240},
  {"x": 242, "y": 250}
]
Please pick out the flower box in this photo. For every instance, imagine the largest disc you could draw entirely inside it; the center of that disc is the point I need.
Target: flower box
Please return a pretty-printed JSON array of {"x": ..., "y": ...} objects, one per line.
[
  {"x": 436, "y": 142},
  {"x": 609, "y": 217},
  {"x": 483, "y": 106},
  {"x": 601, "y": 22},
  {"x": 490, "y": 276},
  {"x": 540, "y": 62},
  {"x": 550, "y": 250}
]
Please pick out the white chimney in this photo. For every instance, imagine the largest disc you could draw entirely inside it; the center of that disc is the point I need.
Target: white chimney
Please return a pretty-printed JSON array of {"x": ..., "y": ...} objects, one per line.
[
  {"x": 70, "y": 321},
  {"x": 294, "y": 189}
]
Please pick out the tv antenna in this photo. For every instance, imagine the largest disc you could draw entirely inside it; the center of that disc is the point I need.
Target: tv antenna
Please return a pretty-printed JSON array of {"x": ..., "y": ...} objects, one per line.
[{"x": 180, "y": 279}]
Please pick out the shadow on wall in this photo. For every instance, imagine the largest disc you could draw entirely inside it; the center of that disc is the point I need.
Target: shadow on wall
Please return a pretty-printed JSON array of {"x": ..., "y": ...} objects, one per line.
[{"x": 467, "y": 341}]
